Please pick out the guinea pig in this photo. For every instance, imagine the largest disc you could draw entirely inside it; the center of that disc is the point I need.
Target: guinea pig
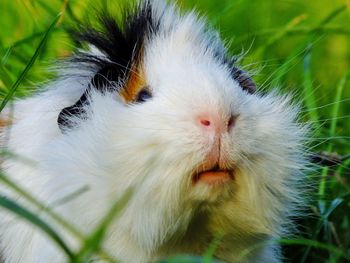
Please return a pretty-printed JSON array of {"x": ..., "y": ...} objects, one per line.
[{"x": 154, "y": 106}]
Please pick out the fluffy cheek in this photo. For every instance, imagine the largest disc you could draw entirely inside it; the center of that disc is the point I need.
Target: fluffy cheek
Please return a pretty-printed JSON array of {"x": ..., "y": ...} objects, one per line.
[
  {"x": 145, "y": 148},
  {"x": 267, "y": 149}
]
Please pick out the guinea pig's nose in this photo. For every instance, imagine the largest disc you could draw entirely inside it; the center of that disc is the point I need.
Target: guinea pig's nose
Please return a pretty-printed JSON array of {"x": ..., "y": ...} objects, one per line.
[{"x": 215, "y": 123}]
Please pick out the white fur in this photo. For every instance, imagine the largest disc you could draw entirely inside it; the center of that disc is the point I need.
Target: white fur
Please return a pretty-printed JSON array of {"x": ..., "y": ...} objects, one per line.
[{"x": 152, "y": 148}]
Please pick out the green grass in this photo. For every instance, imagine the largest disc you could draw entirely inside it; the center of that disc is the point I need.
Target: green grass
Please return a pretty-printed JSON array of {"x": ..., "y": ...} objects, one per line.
[{"x": 302, "y": 47}]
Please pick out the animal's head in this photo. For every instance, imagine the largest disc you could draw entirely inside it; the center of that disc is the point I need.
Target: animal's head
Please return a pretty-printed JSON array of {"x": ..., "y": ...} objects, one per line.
[{"x": 169, "y": 112}]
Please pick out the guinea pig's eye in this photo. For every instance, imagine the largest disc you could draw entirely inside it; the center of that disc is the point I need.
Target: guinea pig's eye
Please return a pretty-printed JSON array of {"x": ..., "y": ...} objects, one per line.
[{"x": 144, "y": 95}]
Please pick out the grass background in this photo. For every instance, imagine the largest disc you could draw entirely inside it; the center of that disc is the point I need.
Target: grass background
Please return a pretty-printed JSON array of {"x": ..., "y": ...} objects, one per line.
[{"x": 298, "y": 46}]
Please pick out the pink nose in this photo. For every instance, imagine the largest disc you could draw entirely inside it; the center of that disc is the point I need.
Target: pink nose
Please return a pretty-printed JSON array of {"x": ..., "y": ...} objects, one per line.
[{"x": 217, "y": 124}]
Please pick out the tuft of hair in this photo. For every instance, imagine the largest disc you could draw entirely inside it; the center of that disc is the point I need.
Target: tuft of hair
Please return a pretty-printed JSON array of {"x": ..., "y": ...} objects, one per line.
[{"x": 116, "y": 48}]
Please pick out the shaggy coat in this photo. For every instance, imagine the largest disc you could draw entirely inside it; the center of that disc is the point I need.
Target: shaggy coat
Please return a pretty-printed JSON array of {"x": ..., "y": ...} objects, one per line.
[{"x": 154, "y": 104}]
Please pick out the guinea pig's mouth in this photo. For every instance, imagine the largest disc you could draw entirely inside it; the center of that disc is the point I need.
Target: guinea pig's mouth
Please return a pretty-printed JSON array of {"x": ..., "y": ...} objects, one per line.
[{"x": 213, "y": 176}]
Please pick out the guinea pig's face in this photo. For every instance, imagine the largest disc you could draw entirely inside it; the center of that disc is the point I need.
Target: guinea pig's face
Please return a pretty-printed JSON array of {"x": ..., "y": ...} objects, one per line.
[
  {"x": 193, "y": 111},
  {"x": 198, "y": 132},
  {"x": 186, "y": 129}
]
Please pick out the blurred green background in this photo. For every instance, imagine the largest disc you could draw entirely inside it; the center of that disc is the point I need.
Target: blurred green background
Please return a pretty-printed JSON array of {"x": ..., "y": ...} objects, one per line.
[{"x": 302, "y": 47}]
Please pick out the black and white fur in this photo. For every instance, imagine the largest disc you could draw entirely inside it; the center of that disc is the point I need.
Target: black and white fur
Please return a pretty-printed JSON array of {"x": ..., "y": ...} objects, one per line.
[{"x": 80, "y": 132}]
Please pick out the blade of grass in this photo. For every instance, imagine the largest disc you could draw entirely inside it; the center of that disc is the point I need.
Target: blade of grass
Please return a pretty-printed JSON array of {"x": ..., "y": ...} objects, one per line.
[
  {"x": 7, "y": 154},
  {"x": 71, "y": 14},
  {"x": 35, "y": 220},
  {"x": 29, "y": 65},
  {"x": 291, "y": 61},
  {"x": 323, "y": 181},
  {"x": 309, "y": 96},
  {"x": 332, "y": 15},
  {"x": 94, "y": 242},
  {"x": 5, "y": 76},
  {"x": 47, "y": 7},
  {"x": 291, "y": 27},
  {"x": 209, "y": 254},
  {"x": 4, "y": 179},
  {"x": 71, "y": 196},
  {"x": 336, "y": 107},
  {"x": 183, "y": 259},
  {"x": 6, "y": 55},
  {"x": 63, "y": 10},
  {"x": 335, "y": 113},
  {"x": 299, "y": 30},
  {"x": 58, "y": 219},
  {"x": 299, "y": 241},
  {"x": 307, "y": 242},
  {"x": 313, "y": 237},
  {"x": 332, "y": 131},
  {"x": 280, "y": 34},
  {"x": 28, "y": 39}
]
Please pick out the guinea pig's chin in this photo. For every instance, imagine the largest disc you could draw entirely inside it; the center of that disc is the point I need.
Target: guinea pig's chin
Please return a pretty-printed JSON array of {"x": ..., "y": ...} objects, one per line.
[
  {"x": 211, "y": 193},
  {"x": 212, "y": 185}
]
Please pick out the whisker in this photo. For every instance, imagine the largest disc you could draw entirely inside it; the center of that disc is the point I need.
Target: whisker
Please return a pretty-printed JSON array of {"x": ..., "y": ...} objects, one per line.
[{"x": 326, "y": 105}]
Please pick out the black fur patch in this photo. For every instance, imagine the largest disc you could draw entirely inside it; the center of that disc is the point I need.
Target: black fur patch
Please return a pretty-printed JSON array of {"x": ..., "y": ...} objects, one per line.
[
  {"x": 121, "y": 43},
  {"x": 244, "y": 80},
  {"x": 241, "y": 76}
]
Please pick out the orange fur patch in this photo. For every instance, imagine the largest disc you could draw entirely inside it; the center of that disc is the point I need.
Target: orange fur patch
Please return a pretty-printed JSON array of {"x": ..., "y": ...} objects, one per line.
[
  {"x": 134, "y": 84},
  {"x": 4, "y": 123}
]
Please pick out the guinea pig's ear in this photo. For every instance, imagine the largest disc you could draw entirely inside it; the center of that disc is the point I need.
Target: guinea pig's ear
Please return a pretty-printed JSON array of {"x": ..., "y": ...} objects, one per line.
[{"x": 244, "y": 80}]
